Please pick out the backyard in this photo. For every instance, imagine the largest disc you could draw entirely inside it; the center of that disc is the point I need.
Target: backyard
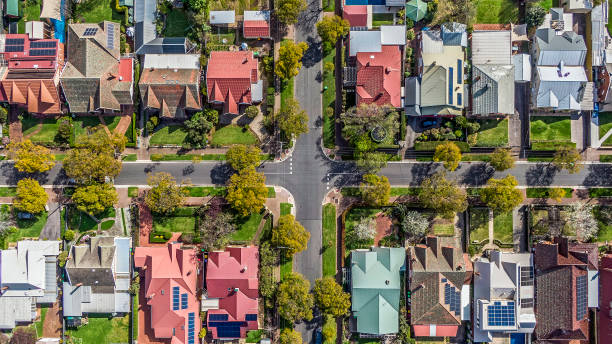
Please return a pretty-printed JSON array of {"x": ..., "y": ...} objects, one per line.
[
  {"x": 221, "y": 38},
  {"x": 96, "y": 11},
  {"x": 233, "y": 134},
  {"x": 103, "y": 330},
  {"x": 181, "y": 220},
  {"x": 496, "y": 11},
  {"x": 239, "y": 5},
  {"x": 169, "y": 135},
  {"x": 479, "y": 224},
  {"x": 605, "y": 227},
  {"x": 492, "y": 133},
  {"x": 443, "y": 227},
  {"x": 176, "y": 23},
  {"x": 605, "y": 125},
  {"x": 379, "y": 19}
]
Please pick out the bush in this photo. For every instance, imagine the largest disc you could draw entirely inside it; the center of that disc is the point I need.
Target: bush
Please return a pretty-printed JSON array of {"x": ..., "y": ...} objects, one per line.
[
  {"x": 251, "y": 111},
  {"x": 64, "y": 130},
  {"x": 69, "y": 235},
  {"x": 431, "y": 146},
  {"x": 3, "y": 115},
  {"x": 551, "y": 145},
  {"x": 535, "y": 16}
]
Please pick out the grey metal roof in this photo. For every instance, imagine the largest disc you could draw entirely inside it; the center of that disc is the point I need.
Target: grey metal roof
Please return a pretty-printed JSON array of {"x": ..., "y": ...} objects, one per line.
[
  {"x": 493, "y": 89},
  {"x": 160, "y": 45},
  {"x": 433, "y": 86},
  {"x": 364, "y": 41},
  {"x": 257, "y": 15},
  {"x": 393, "y": 34},
  {"x": 412, "y": 96},
  {"x": 522, "y": 67},
  {"x": 257, "y": 91},
  {"x": 144, "y": 19},
  {"x": 568, "y": 47},
  {"x": 71, "y": 300},
  {"x": 559, "y": 92},
  {"x": 454, "y": 34},
  {"x": 15, "y": 309},
  {"x": 222, "y": 17},
  {"x": 491, "y": 47},
  {"x": 122, "y": 252},
  {"x": 598, "y": 34}
]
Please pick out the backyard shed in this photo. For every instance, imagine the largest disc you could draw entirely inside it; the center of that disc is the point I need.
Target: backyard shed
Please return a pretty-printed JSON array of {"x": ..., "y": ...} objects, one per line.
[{"x": 222, "y": 17}]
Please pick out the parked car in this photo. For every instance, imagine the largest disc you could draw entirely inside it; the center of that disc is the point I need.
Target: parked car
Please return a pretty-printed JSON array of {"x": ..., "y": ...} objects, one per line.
[
  {"x": 318, "y": 336},
  {"x": 429, "y": 123}
]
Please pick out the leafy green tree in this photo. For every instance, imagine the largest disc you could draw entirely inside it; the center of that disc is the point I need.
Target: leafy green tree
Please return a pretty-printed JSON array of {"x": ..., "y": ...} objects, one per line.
[
  {"x": 556, "y": 194},
  {"x": 371, "y": 162},
  {"x": 290, "y": 235},
  {"x": 330, "y": 298},
  {"x": 294, "y": 299},
  {"x": 329, "y": 330},
  {"x": 198, "y": 126},
  {"x": 100, "y": 141},
  {"x": 216, "y": 229},
  {"x": 567, "y": 158},
  {"x": 290, "y": 336},
  {"x": 502, "y": 194},
  {"x": 290, "y": 58},
  {"x": 501, "y": 159},
  {"x": 30, "y": 158},
  {"x": 85, "y": 165},
  {"x": 242, "y": 156},
  {"x": 411, "y": 223},
  {"x": 165, "y": 195},
  {"x": 95, "y": 198},
  {"x": 268, "y": 260},
  {"x": 197, "y": 6},
  {"x": 69, "y": 235},
  {"x": 251, "y": 111},
  {"x": 331, "y": 28},
  {"x": 246, "y": 191},
  {"x": 442, "y": 195},
  {"x": 375, "y": 190},
  {"x": 292, "y": 119},
  {"x": 535, "y": 15},
  {"x": 64, "y": 130},
  {"x": 449, "y": 154},
  {"x": 31, "y": 197},
  {"x": 287, "y": 11}
]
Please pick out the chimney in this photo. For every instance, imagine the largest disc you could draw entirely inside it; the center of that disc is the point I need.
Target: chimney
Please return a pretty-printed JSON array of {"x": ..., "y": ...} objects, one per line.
[
  {"x": 120, "y": 78},
  {"x": 245, "y": 60},
  {"x": 449, "y": 255},
  {"x": 563, "y": 246},
  {"x": 387, "y": 70},
  {"x": 244, "y": 269},
  {"x": 433, "y": 242},
  {"x": 421, "y": 254},
  {"x": 387, "y": 282}
]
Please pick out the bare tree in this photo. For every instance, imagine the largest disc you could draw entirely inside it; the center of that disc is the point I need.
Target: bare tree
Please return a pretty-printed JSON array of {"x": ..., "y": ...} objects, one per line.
[
  {"x": 580, "y": 218},
  {"x": 365, "y": 229}
]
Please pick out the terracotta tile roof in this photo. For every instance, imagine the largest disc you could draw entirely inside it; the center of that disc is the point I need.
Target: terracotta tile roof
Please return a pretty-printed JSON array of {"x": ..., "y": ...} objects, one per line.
[
  {"x": 232, "y": 71},
  {"x": 256, "y": 28},
  {"x": 172, "y": 91},
  {"x": 605, "y": 299},
  {"x": 39, "y": 96},
  {"x": 378, "y": 76},
  {"x": 357, "y": 15}
]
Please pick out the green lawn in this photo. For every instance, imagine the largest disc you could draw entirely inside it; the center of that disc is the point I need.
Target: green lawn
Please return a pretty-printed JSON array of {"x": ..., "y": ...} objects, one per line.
[
  {"x": 479, "y": 224},
  {"x": 285, "y": 208},
  {"x": 130, "y": 157},
  {"x": 30, "y": 11},
  {"x": 96, "y": 11},
  {"x": 103, "y": 330},
  {"x": 352, "y": 219},
  {"x": 182, "y": 220},
  {"x": 169, "y": 135},
  {"x": 443, "y": 227},
  {"x": 543, "y": 192},
  {"x": 286, "y": 267},
  {"x": 329, "y": 240},
  {"x": 329, "y": 97},
  {"x": 176, "y": 23},
  {"x": 45, "y": 135},
  {"x": 233, "y": 135},
  {"x": 25, "y": 228},
  {"x": 8, "y": 191},
  {"x": 605, "y": 228},
  {"x": 496, "y": 11},
  {"x": 111, "y": 122},
  {"x": 547, "y": 4},
  {"x": 554, "y": 128},
  {"x": 492, "y": 133},
  {"x": 605, "y": 125},
  {"x": 84, "y": 124},
  {"x": 398, "y": 191},
  {"x": 39, "y": 324},
  {"x": 247, "y": 228},
  {"x": 502, "y": 227},
  {"x": 204, "y": 191},
  {"x": 271, "y": 192},
  {"x": 135, "y": 316},
  {"x": 175, "y": 157},
  {"x": 379, "y": 19},
  {"x": 287, "y": 91},
  {"x": 80, "y": 221}
]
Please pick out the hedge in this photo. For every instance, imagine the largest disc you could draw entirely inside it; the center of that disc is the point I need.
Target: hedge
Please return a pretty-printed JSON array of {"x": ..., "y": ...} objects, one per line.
[
  {"x": 431, "y": 145},
  {"x": 605, "y": 158},
  {"x": 551, "y": 145},
  {"x": 159, "y": 236},
  {"x": 600, "y": 192},
  {"x": 543, "y": 192}
]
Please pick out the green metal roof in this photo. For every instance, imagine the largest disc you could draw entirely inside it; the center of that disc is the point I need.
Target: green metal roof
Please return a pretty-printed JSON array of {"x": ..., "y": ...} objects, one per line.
[
  {"x": 12, "y": 8},
  {"x": 376, "y": 289}
]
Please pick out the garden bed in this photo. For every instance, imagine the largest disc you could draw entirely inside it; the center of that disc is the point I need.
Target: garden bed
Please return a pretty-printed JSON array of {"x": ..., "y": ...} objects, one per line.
[{"x": 353, "y": 217}]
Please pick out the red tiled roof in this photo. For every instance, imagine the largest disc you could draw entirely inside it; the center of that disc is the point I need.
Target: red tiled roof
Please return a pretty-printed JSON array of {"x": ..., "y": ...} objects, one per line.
[
  {"x": 39, "y": 96},
  {"x": 125, "y": 69},
  {"x": 440, "y": 331},
  {"x": 357, "y": 15},
  {"x": 232, "y": 71},
  {"x": 255, "y": 28},
  {"x": 605, "y": 299},
  {"x": 378, "y": 77}
]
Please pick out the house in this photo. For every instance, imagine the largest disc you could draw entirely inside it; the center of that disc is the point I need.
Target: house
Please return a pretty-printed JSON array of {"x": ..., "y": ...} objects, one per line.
[
  {"x": 97, "y": 278},
  {"x": 560, "y": 81},
  {"x": 440, "y": 72},
  {"x": 605, "y": 299},
  {"x": 222, "y": 18},
  {"x": 492, "y": 73},
  {"x": 28, "y": 276},
  {"x": 440, "y": 277},
  {"x": 171, "y": 84},
  {"x": 256, "y": 24},
  {"x": 375, "y": 289},
  {"x": 30, "y": 77},
  {"x": 96, "y": 77},
  {"x": 358, "y": 16},
  {"x": 232, "y": 80},
  {"x": 170, "y": 291},
  {"x": 567, "y": 285},
  {"x": 232, "y": 284},
  {"x": 577, "y": 6},
  {"x": 145, "y": 32},
  {"x": 503, "y": 297}
]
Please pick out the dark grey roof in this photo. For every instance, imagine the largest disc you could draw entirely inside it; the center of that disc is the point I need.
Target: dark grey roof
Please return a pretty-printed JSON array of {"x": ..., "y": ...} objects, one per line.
[
  {"x": 170, "y": 45},
  {"x": 412, "y": 96},
  {"x": 493, "y": 89}
]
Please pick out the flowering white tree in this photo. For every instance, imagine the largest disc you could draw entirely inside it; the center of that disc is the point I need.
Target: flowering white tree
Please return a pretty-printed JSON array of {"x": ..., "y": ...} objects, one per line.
[
  {"x": 580, "y": 218},
  {"x": 414, "y": 225},
  {"x": 365, "y": 229}
]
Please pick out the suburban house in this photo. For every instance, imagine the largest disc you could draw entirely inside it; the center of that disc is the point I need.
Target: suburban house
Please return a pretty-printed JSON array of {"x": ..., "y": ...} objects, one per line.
[
  {"x": 492, "y": 72},
  {"x": 232, "y": 80},
  {"x": 605, "y": 299},
  {"x": 222, "y": 18},
  {"x": 560, "y": 81},
  {"x": 28, "y": 276},
  {"x": 30, "y": 76},
  {"x": 145, "y": 32},
  {"x": 503, "y": 297},
  {"x": 256, "y": 24},
  {"x": 599, "y": 48},
  {"x": 440, "y": 276},
  {"x": 439, "y": 89},
  {"x": 358, "y": 16},
  {"x": 376, "y": 65},
  {"x": 375, "y": 290},
  {"x": 170, "y": 84},
  {"x": 96, "y": 77},
  {"x": 97, "y": 278},
  {"x": 232, "y": 292},
  {"x": 567, "y": 285},
  {"x": 170, "y": 283}
]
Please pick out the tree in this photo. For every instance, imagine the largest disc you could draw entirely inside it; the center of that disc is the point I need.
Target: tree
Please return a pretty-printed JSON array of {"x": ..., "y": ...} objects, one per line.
[
  {"x": 442, "y": 195},
  {"x": 567, "y": 158},
  {"x": 290, "y": 58},
  {"x": 31, "y": 197},
  {"x": 69, "y": 235},
  {"x": 251, "y": 111},
  {"x": 365, "y": 230},
  {"x": 242, "y": 156},
  {"x": 292, "y": 119},
  {"x": 290, "y": 235},
  {"x": 411, "y": 222},
  {"x": 501, "y": 194},
  {"x": 329, "y": 330},
  {"x": 331, "y": 28},
  {"x": 216, "y": 229},
  {"x": 287, "y": 11},
  {"x": 556, "y": 194},
  {"x": 290, "y": 336},
  {"x": 198, "y": 127},
  {"x": 165, "y": 195},
  {"x": 535, "y": 16},
  {"x": 61, "y": 258},
  {"x": 246, "y": 191},
  {"x": 449, "y": 154},
  {"x": 30, "y": 158},
  {"x": 375, "y": 190},
  {"x": 268, "y": 260},
  {"x": 330, "y": 298},
  {"x": 460, "y": 11},
  {"x": 86, "y": 165},
  {"x": 371, "y": 162},
  {"x": 202, "y": 333},
  {"x": 197, "y": 5},
  {"x": 64, "y": 130},
  {"x": 501, "y": 159},
  {"x": 581, "y": 219},
  {"x": 99, "y": 140},
  {"x": 24, "y": 335},
  {"x": 294, "y": 299},
  {"x": 95, "y": 198}
]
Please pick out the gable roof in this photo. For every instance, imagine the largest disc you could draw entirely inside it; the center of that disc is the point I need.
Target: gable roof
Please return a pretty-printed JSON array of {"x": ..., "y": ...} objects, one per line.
[
  {"x": 230, "y": 76},
  {"x": 171, "y": 91},
  {"x": 23, "y": 268},
  {"x": 605, "y": 299},
  {"x": 144, "y": 22},
  {"x": 379, "y": 77},
  {"x": 491, "y": 47},
  {"x": 493, "y": 89},
  {"x": 561, "y": 88},
  {"x": 357, "y": 15}
]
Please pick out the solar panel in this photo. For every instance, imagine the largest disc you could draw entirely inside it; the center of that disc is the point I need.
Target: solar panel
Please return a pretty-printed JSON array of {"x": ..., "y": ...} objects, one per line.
[
  {"x": 42, "y": 52},
  {"x": 13, "y": 48},
  {"x": 501, "y": 314},
  {"x": 184, "y": 302},
  {"x": 450, "y": 85},
  {"x": 581, "y": 297},
  {"x": 452, "y": 297},
  {"x": 217, "y": 317},
  {"x": 191, "y": 328},
  {"x": 43, "y": 44},
  {"x": 175, "y": 298},
  {"x": 15, "y": 41},
  {"x": 250, "y": 317},
  {"x": 110, "y": 35},
  {"x": 90, "y": 31},
  {"x": 526, "y": 275}
]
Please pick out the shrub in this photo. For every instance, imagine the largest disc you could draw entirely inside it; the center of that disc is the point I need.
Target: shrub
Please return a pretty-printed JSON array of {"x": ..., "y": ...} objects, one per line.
[
  {"x": 251, "y": 111},
  {"x": 69, "y": 235},
  {"x": 167, "y": 235},
  {"x": 3, "y": 114},
  {"x": 64, "y": 130},
  {"x": 431, "y": 146}
]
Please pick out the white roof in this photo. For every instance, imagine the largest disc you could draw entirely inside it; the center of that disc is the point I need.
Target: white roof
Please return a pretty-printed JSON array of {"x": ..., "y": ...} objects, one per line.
[
  {"x": 122, "y": 254},
  {"x": 172, "y": 61},
  {"x": 568, "y": 22},
  {"x": 15, "y": 309},
  {"x": 393, "y": 34},
  {"x": 593, "y": 288},
  {"x": 570, "y": 73},
  {"x": 23, "y": 268},
  {"x": 364, "y": 41},
  {"x": 35, "y": 29},
  {"x": 257, "y": 15},
  {"x": 522, "y": 67},
  {"x": 491, "y": 47},
  {"x": 257, "y": 91},
  {"x": 222, "y": 17}
]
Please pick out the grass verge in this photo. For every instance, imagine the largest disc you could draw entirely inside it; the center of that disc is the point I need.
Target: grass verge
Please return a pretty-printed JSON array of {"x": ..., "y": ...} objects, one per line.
[{"x": 329, "y": 240}]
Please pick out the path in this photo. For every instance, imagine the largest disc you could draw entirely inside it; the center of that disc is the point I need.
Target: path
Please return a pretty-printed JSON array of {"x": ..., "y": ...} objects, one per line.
[
  {"x": 101, "y": 118},
  {"x": 15, "y": 128},
  {"x": 39, "y": 127},
  {"x": 52, "y": 326},
  {"x": 491, "y": 244},
  {"x": 123, "y": 125}
]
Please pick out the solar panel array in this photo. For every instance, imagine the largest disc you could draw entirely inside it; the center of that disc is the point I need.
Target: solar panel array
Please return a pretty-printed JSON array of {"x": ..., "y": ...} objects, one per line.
[
  {"x": 581, "y": 297},
  {"x": 90, "y": 31},
  {"x": 250, "y": 317},
  {"x": 15, "y": 41},
  {"x": 184, "y": 302},
  {"x": 217, "y": 317},
  {"x": 526, "y": 276},
  {"x": 228, "y": 329},
  {"x": 191, "y": 328},
  {"x": 110, "y": 35},
  {"x": 175, "y": 298},
  {"x": 501, "y": 315},
  {"x": 14, "y": 45},
  {"x": 13, "y": 48},
  {"x": 43, "y": 44},
  {"x": 42, "y": 52},
  {"x": 452, "y": 297}
]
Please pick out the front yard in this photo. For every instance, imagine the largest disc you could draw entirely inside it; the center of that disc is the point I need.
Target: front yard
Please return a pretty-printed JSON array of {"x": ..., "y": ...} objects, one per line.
[
  {"x": 492, "y": 133},
  {"x": 605, "y": 125},
  {"x": 181, "y": 220},
  {"x": 232, "y": 135},
  {"x": 169, "y": 135},
  {"x": 103, "y": 330},
  {"x": 329, "y": 240},
  {"x": 39, "y": 131},
  {"x": 353, "y": 218},
  {"x": 503, "y": 227},
  {"x": 479, "y": 224},
  {"x": 553, "y": 128},
  {"x": 496, "y": 11},
  {"x": 25, "y": 228},
  {"x": 247, "y": 227}
]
